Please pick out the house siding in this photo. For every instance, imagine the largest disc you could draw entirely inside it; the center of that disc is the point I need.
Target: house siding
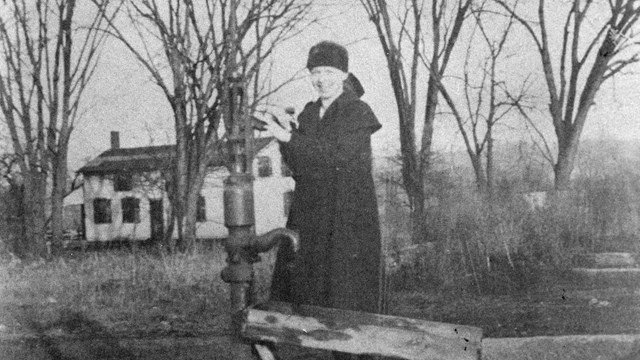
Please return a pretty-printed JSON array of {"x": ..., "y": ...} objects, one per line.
[
  {"x": 95, "y": 187},
  {"x": 268, "y": 195},
  {"x": 268, "y": 202}
]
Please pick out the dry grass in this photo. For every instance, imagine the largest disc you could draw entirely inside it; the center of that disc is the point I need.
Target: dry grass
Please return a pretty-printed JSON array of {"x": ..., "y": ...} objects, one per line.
[
  {"x": 499, "y": 245},
  {"x": 128, "y": 286}
]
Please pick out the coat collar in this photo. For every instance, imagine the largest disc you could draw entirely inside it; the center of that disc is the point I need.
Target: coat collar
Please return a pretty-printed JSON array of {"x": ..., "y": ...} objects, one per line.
[{"x": 346, "y": 97}]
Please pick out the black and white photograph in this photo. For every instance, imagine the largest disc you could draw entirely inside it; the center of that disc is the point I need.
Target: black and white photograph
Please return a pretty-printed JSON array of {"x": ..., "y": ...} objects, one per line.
[{"x": 320, "y": 179}]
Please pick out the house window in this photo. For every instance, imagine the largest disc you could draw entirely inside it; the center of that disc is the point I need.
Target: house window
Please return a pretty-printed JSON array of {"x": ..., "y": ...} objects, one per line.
[
  {"x": 284, "y": 170},
  {"x": 288, "y": 199},
  {"x": 130, "y": 210},
  {"x": 101, "y": 211},
  {"x": 201, "y": 214},
  {"x": 264, "y": 166},
  {"x": 123, "y": 182}
]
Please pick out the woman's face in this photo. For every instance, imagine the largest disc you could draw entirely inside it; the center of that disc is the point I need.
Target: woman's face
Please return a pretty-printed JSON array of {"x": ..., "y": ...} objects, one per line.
[{"x": 328, "y": 81}]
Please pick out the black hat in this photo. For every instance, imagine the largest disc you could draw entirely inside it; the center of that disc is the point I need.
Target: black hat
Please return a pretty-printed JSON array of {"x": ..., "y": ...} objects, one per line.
[{"x": 327, "y": 53}]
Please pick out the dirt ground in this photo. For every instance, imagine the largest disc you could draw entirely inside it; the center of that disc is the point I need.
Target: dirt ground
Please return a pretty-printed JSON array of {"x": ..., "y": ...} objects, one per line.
[{"x": 565, "y": 305}]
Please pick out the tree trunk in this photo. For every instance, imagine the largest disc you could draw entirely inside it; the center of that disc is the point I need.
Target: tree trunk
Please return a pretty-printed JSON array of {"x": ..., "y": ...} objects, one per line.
[
  {"x": 422, "y": 193},
  {"x": 34, "y": 217},
  {"x": 181, "y": 164},
  {"x": 418, "y": 217},
  {"x": 490, "y": 167},
  {"x": 478, "y": 170},
  {"x": 190, "y": 223},
  {"x": 427, "y": 131},
  {"x": 168, "y": 240},
  {"x": 191, "y": 210},
  {"x": 568, "y": 142},
  {"x": 564, "y": 166},
  {"x": 58, "y": 193}
]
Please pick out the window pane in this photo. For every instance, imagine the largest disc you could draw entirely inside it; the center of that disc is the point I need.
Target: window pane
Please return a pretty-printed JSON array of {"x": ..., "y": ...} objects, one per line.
[
  {"x": 201, "y": 214},
  {"x": 101, "y": 211},
  {"x": 264, "y": 166},
  {"x": 130, "y": 210},
  {"x": 123, "y": 182}
]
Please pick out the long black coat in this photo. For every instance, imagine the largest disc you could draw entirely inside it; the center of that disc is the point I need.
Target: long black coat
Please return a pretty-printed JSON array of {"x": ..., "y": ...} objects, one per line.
[{"x": 334, "y": 210}]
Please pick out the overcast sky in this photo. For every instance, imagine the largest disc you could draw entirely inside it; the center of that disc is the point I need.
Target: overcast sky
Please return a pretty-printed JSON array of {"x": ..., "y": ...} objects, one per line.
[{"x": 124, "y": 99}]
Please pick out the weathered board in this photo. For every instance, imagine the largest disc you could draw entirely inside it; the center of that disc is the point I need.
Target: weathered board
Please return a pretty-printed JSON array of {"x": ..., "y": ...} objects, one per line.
[
  {"x": 605, "y": 260},
  {"x": 361, "y": 333}
]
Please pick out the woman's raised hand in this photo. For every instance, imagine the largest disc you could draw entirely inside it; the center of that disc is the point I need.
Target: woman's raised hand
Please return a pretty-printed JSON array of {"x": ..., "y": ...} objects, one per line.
[
  {"x": 281, "y": 130},
  {"x": 278, "y": 122}
]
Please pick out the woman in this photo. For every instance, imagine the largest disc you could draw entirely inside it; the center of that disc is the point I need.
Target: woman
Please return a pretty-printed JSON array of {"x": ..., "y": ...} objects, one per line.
[{"x": 334, "y": 207}]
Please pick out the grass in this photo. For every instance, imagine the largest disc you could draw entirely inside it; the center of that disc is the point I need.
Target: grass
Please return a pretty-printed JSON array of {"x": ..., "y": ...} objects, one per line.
[
  {"x": 499, "y": 244},
  {"x": 137, "y": 293},
  {"x": 128, "y": 290},
  {"x": 473, "y": 248}
]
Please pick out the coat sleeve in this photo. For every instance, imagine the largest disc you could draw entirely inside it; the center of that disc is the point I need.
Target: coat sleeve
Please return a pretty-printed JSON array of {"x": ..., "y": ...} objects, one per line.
[
  {"x": 287, "y": 151},
  {"x": 350, "y": 141}
]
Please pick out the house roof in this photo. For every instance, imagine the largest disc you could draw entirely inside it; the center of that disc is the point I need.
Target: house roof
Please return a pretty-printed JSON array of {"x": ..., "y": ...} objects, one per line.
[{"x": 145, "y": 158}]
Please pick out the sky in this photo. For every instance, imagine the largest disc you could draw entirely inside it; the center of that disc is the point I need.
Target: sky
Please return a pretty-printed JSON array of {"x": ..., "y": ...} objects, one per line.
[{"x": 123, "y": 97}]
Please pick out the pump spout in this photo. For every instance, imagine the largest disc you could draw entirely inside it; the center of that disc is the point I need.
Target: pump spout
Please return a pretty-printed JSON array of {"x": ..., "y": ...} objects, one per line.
[{"x": 272, "y": 238}]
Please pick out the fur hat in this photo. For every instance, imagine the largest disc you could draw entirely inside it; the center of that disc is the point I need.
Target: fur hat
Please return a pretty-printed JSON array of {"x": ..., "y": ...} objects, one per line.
[{"x": 327, "y": 53}]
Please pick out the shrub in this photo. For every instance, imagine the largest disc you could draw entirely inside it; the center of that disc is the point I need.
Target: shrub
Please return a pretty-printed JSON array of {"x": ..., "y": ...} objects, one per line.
[{"x": 485, "y": 245}]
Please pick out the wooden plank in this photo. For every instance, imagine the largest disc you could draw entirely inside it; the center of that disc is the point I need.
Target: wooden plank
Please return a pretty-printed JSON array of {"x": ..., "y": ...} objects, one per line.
[
  {"x": 614, "y": 260},
  {"x": 362, "y": 333},
  {"x": 605, "y": 260}
]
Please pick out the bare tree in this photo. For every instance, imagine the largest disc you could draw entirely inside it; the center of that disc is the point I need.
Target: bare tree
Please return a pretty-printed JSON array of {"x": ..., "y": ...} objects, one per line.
[
  {"x": 434, "y": 46},
  {"x": 485, "y": 100},
  {"x": 192, "y": 49},
  {"x": 49, "y": 59},
  {"x": 599, "y": 40}
]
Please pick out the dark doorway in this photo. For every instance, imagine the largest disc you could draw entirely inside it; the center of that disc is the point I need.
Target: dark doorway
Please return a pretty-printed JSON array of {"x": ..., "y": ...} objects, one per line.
[{"x": 157, "y": 221}]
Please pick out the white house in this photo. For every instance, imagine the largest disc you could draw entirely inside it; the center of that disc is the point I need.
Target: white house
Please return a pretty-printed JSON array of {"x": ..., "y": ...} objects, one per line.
[
  {"x": 73, "y": 217},
  {"x": 125, "y": 198}
]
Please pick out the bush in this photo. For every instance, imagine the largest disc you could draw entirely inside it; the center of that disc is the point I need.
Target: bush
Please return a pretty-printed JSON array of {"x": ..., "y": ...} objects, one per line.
[{"x": 487, "y": 246}]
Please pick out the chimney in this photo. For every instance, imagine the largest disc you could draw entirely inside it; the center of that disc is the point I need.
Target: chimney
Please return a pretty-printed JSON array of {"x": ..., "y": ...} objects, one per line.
[{"x": 115, "y": 140}]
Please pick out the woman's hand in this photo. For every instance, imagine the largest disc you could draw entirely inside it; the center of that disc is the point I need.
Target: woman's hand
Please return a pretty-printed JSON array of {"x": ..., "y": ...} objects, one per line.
[{"x": 280, "y": 132}]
